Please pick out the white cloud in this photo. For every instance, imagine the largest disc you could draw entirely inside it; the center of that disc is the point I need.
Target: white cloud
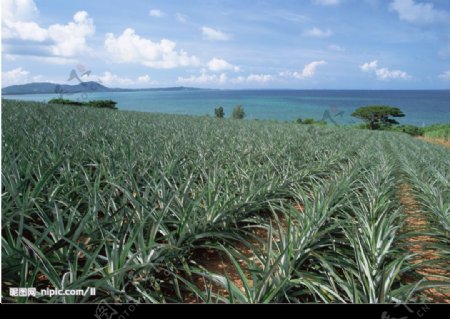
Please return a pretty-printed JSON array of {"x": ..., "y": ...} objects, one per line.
[
  {"x": 144, "y": 79},
  {"x": 131, "y": 48},
  {"x": 17, "y": 21},
  {"x": 384, "y": 73},
  {"x": 420, "y": 13},
  {"x": 445, "y": 75},
  {"x": 110, "y": 79},
  {"x": 308, "y": 71},
  {"x": 66, "y": 40},
  {"x": 254, "y": 78},
  {"x": 337, "y": 48},
  {"x": 260, "y": 78},
  {"x": 213, "y": 34},
  {"x": 18, "y": 76},
  {"x": 318, "y": 33},
  {"x": 219, "y": 65},
  {"x": 326, "y": 2},
  {"x": 29, "y": 31},
  {"x": 181, "y": 17},
  {"x": 70, "y": 39},
  {"x": 19, "y": 10},
  {"x": 15, "y": 76},
  {"x": 156, "y": 13},
  {"x": 221, "y": 79},
  {"x": 9, "y": 57},
  {"x": 204, "y": 78},
  {"x": 369, "y": 66}
]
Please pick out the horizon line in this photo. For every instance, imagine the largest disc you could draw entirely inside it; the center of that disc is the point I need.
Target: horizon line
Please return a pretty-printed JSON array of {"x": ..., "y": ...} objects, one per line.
[{"x": 222, "y": 89}]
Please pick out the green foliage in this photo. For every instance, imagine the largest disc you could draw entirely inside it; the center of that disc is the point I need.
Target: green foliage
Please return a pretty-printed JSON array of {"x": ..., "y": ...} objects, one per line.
[
  {"x": 65, "y": 102},
  {"x": 310, "y": 121},
  {"x": 437, "y": 131},
  {"x": 441, "y": 131},
  {"x": 408, "y": 129},
  {"x": 219, "y": 112},
  {"x": 128, "y": 202},
  {"x": 376, "y": 116},
  {"x": 431, "y": 187},
  {"x": 238, "y": 112},
  {"x": 362, "y": 126},
  {"x": 102, "y": 104}
]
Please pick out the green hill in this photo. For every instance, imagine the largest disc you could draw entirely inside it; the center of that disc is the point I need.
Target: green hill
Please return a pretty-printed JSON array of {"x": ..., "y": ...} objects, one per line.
[{"x": 88, "y": 86}]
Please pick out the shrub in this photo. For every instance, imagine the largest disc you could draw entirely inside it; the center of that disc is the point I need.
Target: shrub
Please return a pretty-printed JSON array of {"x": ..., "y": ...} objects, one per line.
[
  {"x": 408, "y": 129},
  {"x": 64, "y": 102},
  {"x": 310, "y": 121},
  {"x": 220, "y": 113},
  {"x": 238, "y": 112},
  {"x": 102, "y": 104}
]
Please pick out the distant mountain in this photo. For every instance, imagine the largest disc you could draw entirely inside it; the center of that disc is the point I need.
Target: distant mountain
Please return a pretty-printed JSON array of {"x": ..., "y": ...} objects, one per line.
[{"x": 48, "y": 88}]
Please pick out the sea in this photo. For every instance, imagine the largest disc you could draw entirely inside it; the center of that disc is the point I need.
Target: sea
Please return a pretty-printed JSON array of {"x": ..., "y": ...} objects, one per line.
[{"x": 335, "y": 106}]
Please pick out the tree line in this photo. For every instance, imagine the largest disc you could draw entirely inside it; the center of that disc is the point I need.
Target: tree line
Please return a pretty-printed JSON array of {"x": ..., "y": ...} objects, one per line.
[
  {"x": 375, "y": 117},
  {"x": 101, "y": 104},
  {"x": 238, "y": 112}
]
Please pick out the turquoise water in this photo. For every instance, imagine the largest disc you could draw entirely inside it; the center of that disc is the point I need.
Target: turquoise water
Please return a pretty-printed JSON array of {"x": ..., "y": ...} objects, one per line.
[{"x": 420, "y": 107}]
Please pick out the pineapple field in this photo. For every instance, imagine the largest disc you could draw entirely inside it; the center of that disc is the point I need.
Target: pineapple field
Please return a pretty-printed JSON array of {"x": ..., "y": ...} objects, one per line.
[{"x": 158, "y": 208}]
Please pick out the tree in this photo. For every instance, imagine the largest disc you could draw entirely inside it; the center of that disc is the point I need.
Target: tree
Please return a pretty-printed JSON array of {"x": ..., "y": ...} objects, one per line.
[
  {"x": 219, "y": 112},
  {"x": 375, "y": 116},
  {"x": 238, "y": 112}
]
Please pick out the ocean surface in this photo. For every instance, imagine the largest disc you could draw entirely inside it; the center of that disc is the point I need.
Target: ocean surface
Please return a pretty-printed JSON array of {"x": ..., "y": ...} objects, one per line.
[{"x": 420, "y": 107}]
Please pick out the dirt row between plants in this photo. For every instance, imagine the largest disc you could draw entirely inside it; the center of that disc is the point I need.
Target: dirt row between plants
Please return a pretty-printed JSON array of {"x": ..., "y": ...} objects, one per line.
[
  {"x": 439, "y": 141},
  {"x": 217, "y": 262},
  {"x": 417, "y": 222}
]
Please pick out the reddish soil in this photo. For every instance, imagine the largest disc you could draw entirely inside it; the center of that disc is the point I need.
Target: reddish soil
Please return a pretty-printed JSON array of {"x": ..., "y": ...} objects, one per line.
[
  {"x": 439, "y": 141},
  {"x": 416, "y": 221},
  {"x": 218, "y": 262}
]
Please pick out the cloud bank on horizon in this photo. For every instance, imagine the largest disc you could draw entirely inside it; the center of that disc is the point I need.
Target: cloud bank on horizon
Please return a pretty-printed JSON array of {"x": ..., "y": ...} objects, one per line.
[{"x": 320, "y": 44}]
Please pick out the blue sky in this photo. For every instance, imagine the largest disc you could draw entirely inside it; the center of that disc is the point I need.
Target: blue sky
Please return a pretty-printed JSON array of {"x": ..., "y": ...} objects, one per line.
[{"x": 298, "y": 44}]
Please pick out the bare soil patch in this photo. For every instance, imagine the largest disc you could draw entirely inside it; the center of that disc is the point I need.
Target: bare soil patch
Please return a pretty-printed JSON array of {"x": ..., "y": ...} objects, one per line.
[
  {"x": 439, "y": 141},
  {"x": 217, "y": 262},
  {"x": 417, "y": 222}
]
